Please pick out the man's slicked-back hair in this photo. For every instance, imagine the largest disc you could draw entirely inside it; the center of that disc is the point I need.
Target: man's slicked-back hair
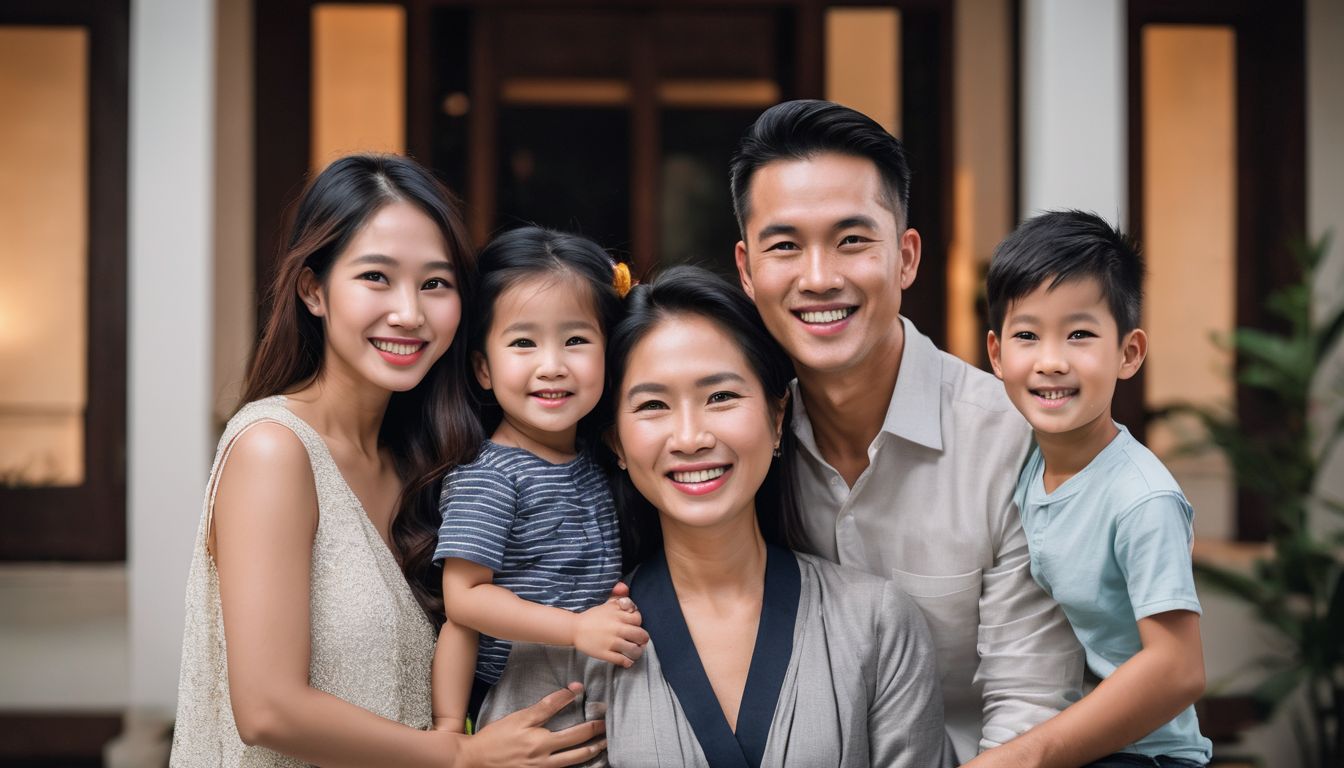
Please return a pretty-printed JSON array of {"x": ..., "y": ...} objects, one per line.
[
  {"x": 803, "y": 129},
  {"x": 1059, "y": 246}
]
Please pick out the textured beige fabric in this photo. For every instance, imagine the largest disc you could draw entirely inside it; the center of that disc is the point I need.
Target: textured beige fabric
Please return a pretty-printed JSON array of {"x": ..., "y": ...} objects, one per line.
[
  {"x": 371, "y": 644},
  {"x": 934, "y": 512}
]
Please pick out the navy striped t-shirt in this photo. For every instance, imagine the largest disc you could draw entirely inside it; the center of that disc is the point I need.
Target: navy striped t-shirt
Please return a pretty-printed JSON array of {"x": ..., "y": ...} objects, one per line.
[{"x": 548, "y": 531}]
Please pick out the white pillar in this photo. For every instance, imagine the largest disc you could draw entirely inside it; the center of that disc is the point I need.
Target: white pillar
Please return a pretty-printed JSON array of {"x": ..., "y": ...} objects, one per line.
[
  {"x": 171, "y": 209},
  {"x": 1074, "y": 116}
]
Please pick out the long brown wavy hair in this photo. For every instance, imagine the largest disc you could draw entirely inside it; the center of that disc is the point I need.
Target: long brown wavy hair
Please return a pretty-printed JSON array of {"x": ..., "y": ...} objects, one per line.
[{"x": 428, "y": 429}]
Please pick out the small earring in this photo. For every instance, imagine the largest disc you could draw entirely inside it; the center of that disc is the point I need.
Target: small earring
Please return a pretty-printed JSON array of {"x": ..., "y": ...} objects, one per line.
[
  {"x": 621, "y": 464},
  {"x": 777, "y": 452}
]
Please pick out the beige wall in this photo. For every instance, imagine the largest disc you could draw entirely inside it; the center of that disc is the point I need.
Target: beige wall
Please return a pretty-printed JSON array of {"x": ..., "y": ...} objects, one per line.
[
  {"x": 43, "y": 251},
  {"x": 863, "y": 62},
  {"x": 1189, "y": 214},
  {"x": 982, "y": 181},
  {"x": 359, "y": 80},
  {"x": 235, "y": 311}
]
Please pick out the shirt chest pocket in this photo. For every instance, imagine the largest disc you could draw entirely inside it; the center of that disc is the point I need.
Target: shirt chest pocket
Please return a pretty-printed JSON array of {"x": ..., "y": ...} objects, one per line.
[{"x": 951, "y": 606}]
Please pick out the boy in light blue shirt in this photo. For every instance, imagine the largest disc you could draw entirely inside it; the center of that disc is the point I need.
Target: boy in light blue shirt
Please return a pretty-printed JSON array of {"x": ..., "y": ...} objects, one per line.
[{"x": 1107, "y": 526}]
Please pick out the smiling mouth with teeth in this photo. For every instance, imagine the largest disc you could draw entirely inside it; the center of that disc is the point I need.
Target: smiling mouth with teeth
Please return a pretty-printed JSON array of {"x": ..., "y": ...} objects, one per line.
[
  {"x": 698, "y": 476},
  {"x": 552, "y": 395},
  {"x": 826, "y": 316},
  {"x": 1054, "y": 394},
  {"x": 395, "y": 348}
]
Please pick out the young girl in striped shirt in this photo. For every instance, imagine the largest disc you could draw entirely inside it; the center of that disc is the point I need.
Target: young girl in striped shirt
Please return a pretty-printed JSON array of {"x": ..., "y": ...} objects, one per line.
[{"x": 529, "y": 543}]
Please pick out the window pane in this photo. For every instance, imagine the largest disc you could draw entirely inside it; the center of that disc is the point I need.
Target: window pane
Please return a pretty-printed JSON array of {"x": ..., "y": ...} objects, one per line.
[
  {"x": 44, "y": 218},
  {"x": 863, "y": 62},
  {"x": 1189, "y": 214},
  {"x": 568, "y": 169},
  {"x": 697, "y": 224},
  {"x": 359, "y": 80}
]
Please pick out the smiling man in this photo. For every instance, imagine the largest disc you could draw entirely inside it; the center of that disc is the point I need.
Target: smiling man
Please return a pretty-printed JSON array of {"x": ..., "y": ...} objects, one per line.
[{"x": 908, "y": 457}]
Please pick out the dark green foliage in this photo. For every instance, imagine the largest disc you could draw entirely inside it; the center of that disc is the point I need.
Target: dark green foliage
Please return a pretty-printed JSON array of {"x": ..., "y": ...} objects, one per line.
[{"x": 1298, "y": 590}]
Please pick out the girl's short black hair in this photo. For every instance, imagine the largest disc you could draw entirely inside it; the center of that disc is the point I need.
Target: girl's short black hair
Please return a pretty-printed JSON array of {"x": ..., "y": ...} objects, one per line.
[
  {"x": 527, "y": 253},
  {"x": 688, "y": 291},
  {"x": 1059, "y": 246}
]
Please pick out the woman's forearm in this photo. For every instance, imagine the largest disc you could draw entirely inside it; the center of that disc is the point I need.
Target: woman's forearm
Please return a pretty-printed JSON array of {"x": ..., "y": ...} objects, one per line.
[{"x": 322, "y": 729}]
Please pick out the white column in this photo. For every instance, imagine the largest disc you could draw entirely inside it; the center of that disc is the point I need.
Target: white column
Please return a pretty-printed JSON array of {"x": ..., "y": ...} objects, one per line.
[
  {"x": 1074, "y": 107},
  {"x": 171, "y": 209}
]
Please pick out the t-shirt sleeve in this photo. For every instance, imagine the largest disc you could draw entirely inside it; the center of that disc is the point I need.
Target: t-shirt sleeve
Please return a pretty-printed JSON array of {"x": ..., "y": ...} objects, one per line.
[
  {"x": 478, "y": 504},
  {"x": 1152, "y": 546}
]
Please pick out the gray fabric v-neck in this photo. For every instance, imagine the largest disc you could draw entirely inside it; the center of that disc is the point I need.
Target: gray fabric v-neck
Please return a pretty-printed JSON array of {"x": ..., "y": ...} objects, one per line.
[{"x": 860, "y": 688}]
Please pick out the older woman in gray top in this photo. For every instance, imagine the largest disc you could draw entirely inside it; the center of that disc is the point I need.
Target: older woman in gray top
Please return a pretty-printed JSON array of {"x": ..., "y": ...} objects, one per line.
[{"x": 758, "y": 655}]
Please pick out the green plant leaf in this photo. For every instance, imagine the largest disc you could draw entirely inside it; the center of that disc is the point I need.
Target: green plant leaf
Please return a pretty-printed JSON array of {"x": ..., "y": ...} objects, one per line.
[{"x": 1272, "y": 691}]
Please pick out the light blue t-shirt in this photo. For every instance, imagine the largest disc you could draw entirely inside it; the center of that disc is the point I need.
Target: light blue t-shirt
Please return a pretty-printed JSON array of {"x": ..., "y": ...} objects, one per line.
[{"x": 1112, "y": 546}]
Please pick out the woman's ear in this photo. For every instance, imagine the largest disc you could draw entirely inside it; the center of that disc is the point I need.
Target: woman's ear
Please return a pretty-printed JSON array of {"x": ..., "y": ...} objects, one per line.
[
  {"x": 310, "y": 293},
  {"x": 1133, "y": 350},
  {"x": 481, "y": 367},
  {"x": 779, "y": 418},
  {"x": 614, "y": 443}
]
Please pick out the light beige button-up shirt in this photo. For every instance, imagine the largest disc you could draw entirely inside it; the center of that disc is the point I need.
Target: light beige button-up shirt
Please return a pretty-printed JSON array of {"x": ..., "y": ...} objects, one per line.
[{"x": 934, "y": 511}]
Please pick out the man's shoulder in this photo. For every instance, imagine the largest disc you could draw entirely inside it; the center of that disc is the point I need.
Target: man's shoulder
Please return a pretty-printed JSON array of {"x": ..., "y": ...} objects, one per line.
[{"x": 969, "y": 387}]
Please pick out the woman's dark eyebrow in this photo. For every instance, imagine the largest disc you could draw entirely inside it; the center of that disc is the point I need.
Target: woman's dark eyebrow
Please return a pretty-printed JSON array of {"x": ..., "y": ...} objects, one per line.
[
  {"x": 383, "y": 260},
  {"x": 719, "y": 378},
  {"x": 640, "y": 389}
]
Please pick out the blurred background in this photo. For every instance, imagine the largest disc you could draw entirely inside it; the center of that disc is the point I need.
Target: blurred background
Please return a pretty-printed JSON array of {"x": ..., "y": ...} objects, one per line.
[{"x": 149, "y": 149}]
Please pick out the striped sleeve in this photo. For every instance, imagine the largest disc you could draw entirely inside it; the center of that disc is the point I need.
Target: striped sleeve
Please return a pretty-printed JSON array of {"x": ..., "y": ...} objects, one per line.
[{"x": 478, "y": 504}]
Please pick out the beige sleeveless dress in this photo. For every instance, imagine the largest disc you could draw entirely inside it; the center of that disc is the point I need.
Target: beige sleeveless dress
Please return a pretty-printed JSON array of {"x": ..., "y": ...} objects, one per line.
[{"x": 371, "y": 644}]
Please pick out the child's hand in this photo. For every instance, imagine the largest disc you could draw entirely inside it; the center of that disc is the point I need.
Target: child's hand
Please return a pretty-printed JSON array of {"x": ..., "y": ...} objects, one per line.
[{"x": 610, "y": 632}]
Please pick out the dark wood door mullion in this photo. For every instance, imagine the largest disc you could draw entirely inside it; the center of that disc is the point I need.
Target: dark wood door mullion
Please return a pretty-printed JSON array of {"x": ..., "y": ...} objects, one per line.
[
  {"x": 645, "y": 146},
  {"x": 483, "y": 139}
]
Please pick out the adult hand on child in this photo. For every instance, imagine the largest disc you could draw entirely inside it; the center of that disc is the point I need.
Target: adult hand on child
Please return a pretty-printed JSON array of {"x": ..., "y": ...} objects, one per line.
[{"x": 521, "y": 739}]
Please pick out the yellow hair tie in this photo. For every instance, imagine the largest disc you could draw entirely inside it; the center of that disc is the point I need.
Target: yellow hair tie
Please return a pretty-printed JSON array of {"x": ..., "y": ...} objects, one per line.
[{"x": 620, "y": 279}]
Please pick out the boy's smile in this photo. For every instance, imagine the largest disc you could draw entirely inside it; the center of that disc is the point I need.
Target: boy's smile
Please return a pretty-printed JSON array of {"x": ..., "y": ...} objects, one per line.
[{"x": 1060, "y": 356}]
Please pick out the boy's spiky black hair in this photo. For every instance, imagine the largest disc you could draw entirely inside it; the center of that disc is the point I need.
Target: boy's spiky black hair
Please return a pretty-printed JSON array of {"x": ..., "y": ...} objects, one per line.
[{"x": 1059, "y": 246}]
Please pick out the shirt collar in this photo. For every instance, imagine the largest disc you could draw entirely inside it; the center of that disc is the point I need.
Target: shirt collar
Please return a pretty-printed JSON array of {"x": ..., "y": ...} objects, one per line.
[{"x": 915, "y": 411}]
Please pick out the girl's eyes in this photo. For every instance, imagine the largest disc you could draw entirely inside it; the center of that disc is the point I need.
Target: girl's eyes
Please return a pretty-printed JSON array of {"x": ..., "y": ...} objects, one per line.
[
  {"x": 436, "y": 282},
  {"x": 574, "y": 341},
  {"x": 1079, "y": 335},
  {"x": 1025, "y": 336},
  {"x": 523, "y": 343},
  {"x": 374, "y": 277}
]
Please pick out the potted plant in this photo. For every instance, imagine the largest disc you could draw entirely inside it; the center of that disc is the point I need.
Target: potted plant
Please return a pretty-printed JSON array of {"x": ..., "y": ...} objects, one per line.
[{"x": 1297, "y": 590}]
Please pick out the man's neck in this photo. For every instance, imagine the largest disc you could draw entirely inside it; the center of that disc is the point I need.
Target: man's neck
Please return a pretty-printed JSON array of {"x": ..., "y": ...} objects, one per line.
[{"x": 847, "y": 408}]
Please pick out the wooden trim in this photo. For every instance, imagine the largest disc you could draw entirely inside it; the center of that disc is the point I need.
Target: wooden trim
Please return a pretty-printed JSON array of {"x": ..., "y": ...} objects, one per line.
[
  {"x": 54, "y": 736},
  {"x": 645, "y": 148},
  {"x": 38, "y": 520},
  {"x": 420, "y": 101},
  {"x": 926, "y": 109},
  {"x": 483, "y": 130},
  {"x": 1271, "y": 168},
  {"x": 282, "y": 133}
]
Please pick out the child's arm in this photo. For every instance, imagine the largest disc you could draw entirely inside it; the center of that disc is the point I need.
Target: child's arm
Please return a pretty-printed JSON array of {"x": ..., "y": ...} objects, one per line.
[
  {"x": 607, "y": 632},
  {"x": 451, "y": 676},
  {"x": 1143, "y": 694}
]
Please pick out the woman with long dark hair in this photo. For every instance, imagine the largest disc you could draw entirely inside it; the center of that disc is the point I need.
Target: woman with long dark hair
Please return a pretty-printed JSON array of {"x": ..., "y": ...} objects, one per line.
[
  {"x": 305, "y": 642},
  {"x": 758, "y": 654}
]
